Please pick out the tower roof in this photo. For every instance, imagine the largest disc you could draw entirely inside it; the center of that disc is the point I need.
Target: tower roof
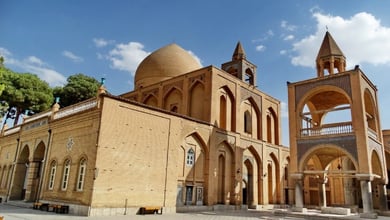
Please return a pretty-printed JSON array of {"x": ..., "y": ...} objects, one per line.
[
  {"x": 239, "y": 52},
  {"x": 329, "y": 47}
]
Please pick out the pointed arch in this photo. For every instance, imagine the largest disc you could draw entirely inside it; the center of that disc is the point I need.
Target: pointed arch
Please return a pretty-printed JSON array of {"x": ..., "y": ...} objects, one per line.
[
  {"x": 227, "y": 114},
  {"x": 19, "y": 186},
  {"x": 249, "y": 76},
  {"x": 371, "y": 113},
  {"x": 257, "y": 173},
  {"x": 273, "y": 171},
  {"x": 192, "y": 170},
  {"x": 52, "y": 175},
  {"x": 196, "y": 101},
  {"x": 151, "y": 100},
  {"x": 272, "y": 126},
  {"x": 173, "y": 100},
  {"x": 225, "y": 173},
  {"x": 251, "y": 118}
]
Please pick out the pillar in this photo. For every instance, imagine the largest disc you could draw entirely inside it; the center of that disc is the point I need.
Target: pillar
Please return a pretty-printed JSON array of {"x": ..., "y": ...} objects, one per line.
[
  {"x": 322, "y": 191},
  {"x": 368, "y": 210},
  {"x": 298, "y": 192}
]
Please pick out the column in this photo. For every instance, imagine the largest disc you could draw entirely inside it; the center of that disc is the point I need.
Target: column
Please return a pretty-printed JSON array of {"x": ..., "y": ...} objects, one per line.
[
  {"x": 322, "y": 191},
  {"x": 298, "y": 193},
  {"x": 368, "y": 210}
]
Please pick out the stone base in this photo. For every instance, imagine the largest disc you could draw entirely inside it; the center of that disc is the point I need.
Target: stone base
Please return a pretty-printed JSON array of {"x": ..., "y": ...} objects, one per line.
[
  {"x": 336, "y": 210},
  {"x": 299, "y": 209},
  {"x": 371, "y": 215}
]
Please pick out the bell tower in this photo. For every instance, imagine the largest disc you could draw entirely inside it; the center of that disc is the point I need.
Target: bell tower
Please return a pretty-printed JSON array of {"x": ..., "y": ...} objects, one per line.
[
  {"x": 336, "y": 142},
  {"x": 240, "y": 67},
  {"x": 330, "y": 57}
]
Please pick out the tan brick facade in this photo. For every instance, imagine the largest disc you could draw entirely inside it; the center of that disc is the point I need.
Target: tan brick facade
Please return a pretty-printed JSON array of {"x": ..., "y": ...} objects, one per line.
[{"x": 201, "y": 139}]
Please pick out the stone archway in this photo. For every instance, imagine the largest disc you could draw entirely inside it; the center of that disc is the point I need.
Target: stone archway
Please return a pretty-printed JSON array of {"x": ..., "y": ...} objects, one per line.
[
  {"x": 19, "y": 185},
  {"x": 35, "y": 171},
  {"x": 329, "y": 177}
]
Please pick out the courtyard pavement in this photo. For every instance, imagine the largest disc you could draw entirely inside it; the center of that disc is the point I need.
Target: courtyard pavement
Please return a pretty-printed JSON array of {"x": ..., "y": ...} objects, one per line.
[{"x": 12, "y": 212}]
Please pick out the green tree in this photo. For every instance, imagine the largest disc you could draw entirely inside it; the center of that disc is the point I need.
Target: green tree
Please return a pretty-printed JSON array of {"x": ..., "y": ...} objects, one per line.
[
  {"x": 79, "y": 87},
  {"x": 24, "y": 91}
]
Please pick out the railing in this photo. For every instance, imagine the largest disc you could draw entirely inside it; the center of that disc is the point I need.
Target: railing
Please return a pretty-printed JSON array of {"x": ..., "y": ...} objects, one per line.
[
  {"x": 328, "y": 129},
  {"x": 75, "y": 108}
]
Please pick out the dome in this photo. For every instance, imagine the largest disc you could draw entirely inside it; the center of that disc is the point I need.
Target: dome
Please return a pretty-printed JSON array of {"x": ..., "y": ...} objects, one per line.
[{"x": 163, "y": 64}]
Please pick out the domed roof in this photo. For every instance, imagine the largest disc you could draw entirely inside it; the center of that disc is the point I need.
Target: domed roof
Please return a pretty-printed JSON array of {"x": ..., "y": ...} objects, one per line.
[{"x": 163, "y": 64}]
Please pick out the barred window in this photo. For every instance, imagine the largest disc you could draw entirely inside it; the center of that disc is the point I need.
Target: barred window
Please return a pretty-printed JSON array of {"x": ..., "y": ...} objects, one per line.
[
  {"x": 81, "y": 174},
  {"x": 65, "y": 177},
  {"x": 53, "y": 169}
]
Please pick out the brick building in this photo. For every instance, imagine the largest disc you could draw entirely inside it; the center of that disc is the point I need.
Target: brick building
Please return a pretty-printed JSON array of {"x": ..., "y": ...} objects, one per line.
[{"x": 187, "y": 138}]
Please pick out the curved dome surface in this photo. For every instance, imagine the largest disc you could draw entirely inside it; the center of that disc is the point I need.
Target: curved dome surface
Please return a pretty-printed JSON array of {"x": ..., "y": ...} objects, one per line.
[{"x": 163, "y": 64}]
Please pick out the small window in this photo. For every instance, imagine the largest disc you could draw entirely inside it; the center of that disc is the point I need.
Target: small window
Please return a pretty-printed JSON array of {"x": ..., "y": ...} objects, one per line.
[
  {"x": 53, "y": 168},
  {"x": 247, "y": 122},
  {"x": 65, "y": 177},
  {"x": 81, "y": 175},
  {"x": 190, "y": 157},
  {"x": 174, "y": 108},
  {"x": 248, "y": 77}
]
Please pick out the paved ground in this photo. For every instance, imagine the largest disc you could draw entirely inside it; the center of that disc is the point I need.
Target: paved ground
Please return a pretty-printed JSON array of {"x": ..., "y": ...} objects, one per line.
[{"x": 11, "y": 212}]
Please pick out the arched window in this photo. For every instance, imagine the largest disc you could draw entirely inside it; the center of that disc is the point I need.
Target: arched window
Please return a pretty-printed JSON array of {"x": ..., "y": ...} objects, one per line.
[
  {"x": 190, "y": 157},
  {"x": 222, "y": 112},
  {"x": 53, "y": 168},
  {"x": 65, "y": 176},
  {"x": 249, "y": 76},
  {"x": 81, "y": 175},
  {"x": 247, "y": 122}
]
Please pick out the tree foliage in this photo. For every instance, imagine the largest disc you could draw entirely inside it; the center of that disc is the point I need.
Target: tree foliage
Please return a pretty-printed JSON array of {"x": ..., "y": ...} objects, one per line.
[
  {"x": 79, "y": 87},
  {"x": 24, "y": 91}
]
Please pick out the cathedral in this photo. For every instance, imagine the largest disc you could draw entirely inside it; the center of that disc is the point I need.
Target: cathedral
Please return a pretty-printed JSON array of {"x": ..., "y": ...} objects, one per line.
[{"x": 187, "y": 138}]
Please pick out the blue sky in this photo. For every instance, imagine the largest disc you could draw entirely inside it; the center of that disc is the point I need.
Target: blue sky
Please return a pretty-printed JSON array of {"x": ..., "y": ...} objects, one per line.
[{"x": 55, "y": 39}]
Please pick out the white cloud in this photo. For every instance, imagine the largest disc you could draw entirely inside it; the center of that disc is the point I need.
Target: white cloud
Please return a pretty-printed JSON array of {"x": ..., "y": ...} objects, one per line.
[
  {"x": 260, "y": 48},
  {"x": 127, "y": 57},
  {"x": 265, "y": 37},
  {"x": 286, "y": 26},
  {"x": 100, "y": 42},
  {"x": 289, "y": 37},
  {"x": 283, "y": 52},
  {"x": 4, "y": 52},
  {"x": 34, "y": 60},
  {"x": 361, "y": 37},
  {"x": 36, "y": 66},
  {"x": 72, "y": 56}
]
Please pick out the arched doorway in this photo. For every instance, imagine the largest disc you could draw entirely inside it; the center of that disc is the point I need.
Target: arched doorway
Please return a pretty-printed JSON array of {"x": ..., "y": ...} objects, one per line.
[
  {"x": 248, "y": 184},
  {"x": 35, "y": 170},
  {"x": 330, "y": 177},
  {"x": 19, "y": 185},
  {"x": 221, "y": 179}
]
